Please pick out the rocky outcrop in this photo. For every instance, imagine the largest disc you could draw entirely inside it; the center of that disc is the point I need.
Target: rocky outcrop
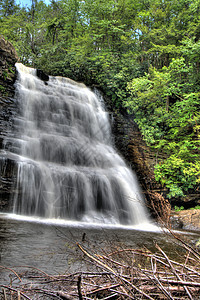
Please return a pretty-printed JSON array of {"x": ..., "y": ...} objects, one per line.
[
  {"x": 142, "y": 159},
  {"x": 8, "y": 107},
  {"x": 139, "y": 156},
  {"x": 129, "y": 142},
  {"x": 8, "y": 58},
  {"x": 188, "y": 219},
  {"x": 43, "y": 76}
]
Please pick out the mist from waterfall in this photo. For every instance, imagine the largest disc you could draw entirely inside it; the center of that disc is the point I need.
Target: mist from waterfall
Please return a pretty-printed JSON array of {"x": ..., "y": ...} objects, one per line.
[{"x": 67, "y": 166}]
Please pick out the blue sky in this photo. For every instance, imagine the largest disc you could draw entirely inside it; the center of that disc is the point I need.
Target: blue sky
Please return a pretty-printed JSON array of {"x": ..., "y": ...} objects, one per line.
[{"x": 28, "y": 2}]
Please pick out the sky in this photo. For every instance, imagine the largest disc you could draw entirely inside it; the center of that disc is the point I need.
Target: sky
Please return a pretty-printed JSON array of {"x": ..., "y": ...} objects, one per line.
[{"x": 28, "y": 2}]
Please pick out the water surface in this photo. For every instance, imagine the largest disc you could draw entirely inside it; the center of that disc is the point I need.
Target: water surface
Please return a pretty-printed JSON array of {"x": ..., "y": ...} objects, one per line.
[{"x": 52, "y": 247}]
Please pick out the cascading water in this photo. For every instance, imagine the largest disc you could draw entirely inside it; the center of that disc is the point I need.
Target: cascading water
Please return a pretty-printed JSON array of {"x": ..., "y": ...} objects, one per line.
[{"x": 67, "y": 167}]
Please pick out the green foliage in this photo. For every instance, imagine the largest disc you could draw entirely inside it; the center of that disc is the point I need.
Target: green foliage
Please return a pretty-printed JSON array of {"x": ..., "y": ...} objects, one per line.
[
  {"x": 196, "y": 207},
  {"x": 166, "y": 105},
  {"x": 8, "y": 7},
  {"x": 177, "y": 208},
  {"x": 2, "y": 88},
  {"x": 178, "y": 175},
  {"x": 149, "y": 104}
]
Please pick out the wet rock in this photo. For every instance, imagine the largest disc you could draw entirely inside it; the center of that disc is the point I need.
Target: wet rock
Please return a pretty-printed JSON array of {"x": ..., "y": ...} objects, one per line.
[
  {"x": 188, "y": 219},
  {"x": 8, "y": 58},
  {"x": 8, "y": 108},
  {"x": 8, "y": 169},
  {"x": 42, "y": 75}
]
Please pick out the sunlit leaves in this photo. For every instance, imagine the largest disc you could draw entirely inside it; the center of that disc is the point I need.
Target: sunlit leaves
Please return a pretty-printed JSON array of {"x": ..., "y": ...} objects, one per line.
[
  {"x": 178, "y": 175},
  {"x": 175, "y": 130}
]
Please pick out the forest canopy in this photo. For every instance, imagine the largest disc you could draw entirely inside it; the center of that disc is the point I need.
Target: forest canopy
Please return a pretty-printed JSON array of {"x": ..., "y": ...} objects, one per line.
[{"x": 143, "y": 54}]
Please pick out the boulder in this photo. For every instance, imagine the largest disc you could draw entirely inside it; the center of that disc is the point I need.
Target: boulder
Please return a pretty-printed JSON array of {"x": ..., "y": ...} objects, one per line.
[
  {"x": 43, "y": 76},
  {"x": 188, "y": 219}
]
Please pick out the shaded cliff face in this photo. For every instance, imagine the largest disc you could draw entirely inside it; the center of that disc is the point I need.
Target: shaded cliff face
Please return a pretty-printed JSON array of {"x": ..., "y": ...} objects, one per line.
[
  {"x": 8, "y": 58},
  {"x": 139, "y": 157},
  {"x": 8, "y": 107}
]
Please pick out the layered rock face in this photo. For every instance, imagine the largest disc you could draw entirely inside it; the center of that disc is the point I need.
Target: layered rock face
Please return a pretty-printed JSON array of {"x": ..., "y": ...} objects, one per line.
[
  {"x": 8, "y": 107},
  {"x": 8, "y": 58},
  {"x": 139, "y": 156}
]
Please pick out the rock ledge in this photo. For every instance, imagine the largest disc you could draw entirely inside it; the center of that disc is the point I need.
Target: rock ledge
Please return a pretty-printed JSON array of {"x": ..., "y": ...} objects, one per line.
[{"x": 188, "y": 219}]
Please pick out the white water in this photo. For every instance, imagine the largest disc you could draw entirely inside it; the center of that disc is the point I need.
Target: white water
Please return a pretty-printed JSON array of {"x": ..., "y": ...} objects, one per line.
[{"x": 67, "y": 166}]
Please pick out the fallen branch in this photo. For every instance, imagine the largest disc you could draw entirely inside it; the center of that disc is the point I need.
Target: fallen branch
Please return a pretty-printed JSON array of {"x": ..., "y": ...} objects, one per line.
[
  {"x": 174, "y": 271},
  {"x": 16, "y": 291},
  {"x": 6, "y": 268},
  {"x": 126, "y": 274}
]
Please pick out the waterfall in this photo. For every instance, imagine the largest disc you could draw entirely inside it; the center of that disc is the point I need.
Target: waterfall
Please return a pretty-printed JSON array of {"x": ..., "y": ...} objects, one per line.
[{"x": 67, "y": 165}]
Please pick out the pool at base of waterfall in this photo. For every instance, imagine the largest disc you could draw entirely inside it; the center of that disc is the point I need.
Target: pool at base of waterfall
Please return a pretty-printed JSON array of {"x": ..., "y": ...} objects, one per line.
[{"x": 51, "y": 246}]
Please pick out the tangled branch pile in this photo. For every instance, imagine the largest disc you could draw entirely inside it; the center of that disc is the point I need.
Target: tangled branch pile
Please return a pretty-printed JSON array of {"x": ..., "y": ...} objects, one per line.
[{"x": 121, "y": 274}]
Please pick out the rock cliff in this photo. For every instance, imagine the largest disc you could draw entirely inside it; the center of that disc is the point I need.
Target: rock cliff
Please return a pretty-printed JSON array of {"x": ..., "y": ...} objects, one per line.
[
  {"x": 140, "y": 158},
  {"x": 8, "y": 58}
]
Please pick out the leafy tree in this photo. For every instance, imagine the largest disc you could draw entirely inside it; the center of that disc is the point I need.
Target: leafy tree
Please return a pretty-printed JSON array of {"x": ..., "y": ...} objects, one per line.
[
  {"x": 167, "y": 112},
  {"x": 8, "y": 8}
]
